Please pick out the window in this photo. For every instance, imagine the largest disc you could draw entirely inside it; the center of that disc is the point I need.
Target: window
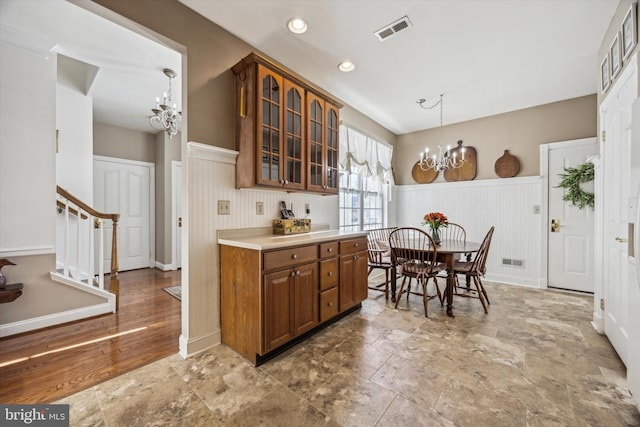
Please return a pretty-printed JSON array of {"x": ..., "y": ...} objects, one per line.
[
  {"x": 363, "y": 194},
  {"x": 362, "y": 203}
]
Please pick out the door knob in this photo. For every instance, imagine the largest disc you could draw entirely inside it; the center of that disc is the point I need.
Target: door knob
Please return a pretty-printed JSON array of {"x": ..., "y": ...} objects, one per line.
[
  {"x": 621, "y": 240},
  {"x": 555, "y": 225}
]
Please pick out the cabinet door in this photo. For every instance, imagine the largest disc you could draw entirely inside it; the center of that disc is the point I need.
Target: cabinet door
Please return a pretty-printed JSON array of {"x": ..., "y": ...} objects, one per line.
[
  {"x": 315, "y": 143},
  {"x": 269, "y": 137},
  {"x": 278, "y": 318},
  {"x": 353, "y": 280},
  {"x": 305, "y": 297},
  {"x": 331, "y": 133},
  {"x": 294, "y": 149}
]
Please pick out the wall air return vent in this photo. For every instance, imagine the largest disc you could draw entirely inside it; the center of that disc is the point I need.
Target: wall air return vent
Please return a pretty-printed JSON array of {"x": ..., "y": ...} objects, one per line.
[
  {"x": 519, "y": 263},
  {"x": 393, "y": 28}
]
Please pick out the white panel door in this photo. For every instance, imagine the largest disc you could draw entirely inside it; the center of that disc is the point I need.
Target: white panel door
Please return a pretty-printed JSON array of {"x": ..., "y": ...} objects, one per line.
[
  {"x": 570, "y": 254},
  {"x": 125, "y": 189},
  {"x": 616, "y": 124}
]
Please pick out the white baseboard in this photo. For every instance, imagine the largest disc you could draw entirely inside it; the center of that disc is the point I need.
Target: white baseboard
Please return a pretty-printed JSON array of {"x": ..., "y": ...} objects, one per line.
[
  {"x": 190, "y": 347},
  {"x": 598, "y": 322},
  {"x": 54, "y": 319},
  {"x": 165, "y": 267}
]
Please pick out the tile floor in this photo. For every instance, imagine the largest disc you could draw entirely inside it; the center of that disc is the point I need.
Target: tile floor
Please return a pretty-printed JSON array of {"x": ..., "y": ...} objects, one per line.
[{"x": 534, "y": 360}]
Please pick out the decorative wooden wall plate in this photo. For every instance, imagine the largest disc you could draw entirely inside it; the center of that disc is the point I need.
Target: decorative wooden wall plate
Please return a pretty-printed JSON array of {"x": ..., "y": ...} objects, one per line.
[
  {"x": 467, "y": 171},
  {"x": 423, "y": 177},
  {"x": 507, "y": 166}
]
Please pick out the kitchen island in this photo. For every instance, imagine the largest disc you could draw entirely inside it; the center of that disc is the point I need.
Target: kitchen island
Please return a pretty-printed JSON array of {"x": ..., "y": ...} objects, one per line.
[{"x": 277, "y": 290}]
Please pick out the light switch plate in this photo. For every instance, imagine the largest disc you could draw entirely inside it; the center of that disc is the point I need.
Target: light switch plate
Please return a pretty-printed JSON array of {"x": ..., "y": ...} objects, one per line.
[
  {"x": 259, "y": 208},
  {"x": 224, "y": 207}
]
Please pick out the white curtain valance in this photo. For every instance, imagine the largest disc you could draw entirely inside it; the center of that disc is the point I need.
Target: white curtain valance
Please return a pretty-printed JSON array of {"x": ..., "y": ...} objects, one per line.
[{"x": 365, "y": 156}]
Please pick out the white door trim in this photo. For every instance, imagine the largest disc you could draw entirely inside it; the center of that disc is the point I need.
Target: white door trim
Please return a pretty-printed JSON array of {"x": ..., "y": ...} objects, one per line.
[
  {"x": 176, "y": 167},
  {"x": 152, "y": 199},
  {"x": 544, "y": 201}
]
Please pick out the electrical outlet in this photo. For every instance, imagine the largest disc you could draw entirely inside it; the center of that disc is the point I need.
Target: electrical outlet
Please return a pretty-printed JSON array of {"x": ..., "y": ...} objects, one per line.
[
  {"x": 536, "y": 209},
  {"x": 307, "y": 209},
  {"x": 259, "y": 208},
  {"x": 224, "y": 207}
]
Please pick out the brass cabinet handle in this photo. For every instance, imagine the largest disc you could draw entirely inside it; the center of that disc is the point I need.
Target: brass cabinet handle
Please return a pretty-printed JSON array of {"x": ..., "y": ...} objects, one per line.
[
  {"x": 330, "y": 250},
  {"x": 356, "y": 245},
  {"x": 330, "y": 273},
  {"x": 294, "y": 256},
  {"x": 330, "y": 304}
]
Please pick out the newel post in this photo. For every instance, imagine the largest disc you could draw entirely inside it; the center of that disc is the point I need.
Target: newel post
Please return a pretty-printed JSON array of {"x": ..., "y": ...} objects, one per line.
[{"x": 114, "y": 284}]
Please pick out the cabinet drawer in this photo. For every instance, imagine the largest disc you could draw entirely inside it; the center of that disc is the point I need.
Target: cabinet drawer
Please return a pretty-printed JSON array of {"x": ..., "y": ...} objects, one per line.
[
  {"x": 289, "y": 257},
  {"x": 353, "y": 246},
  {"x": 328, "y": 273},
  {"x": 328, "y": 249},
  {"x": 328, "y": 304}
]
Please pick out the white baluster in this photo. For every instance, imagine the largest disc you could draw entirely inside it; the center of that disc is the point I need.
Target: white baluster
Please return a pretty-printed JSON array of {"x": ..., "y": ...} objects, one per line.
[
  {"x": 78, "y": 218},
  {"x": 101, "y": 258},
  {"x": 66, "y": 239},
  {"x": 91, "y": 250}
]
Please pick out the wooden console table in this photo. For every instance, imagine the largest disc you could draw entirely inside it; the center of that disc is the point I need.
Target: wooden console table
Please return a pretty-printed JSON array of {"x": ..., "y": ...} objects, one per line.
[{"x": 10, "y": 292}]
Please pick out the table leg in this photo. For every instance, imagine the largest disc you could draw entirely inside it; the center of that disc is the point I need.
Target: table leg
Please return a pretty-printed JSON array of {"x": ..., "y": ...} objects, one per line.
[
  {"x": 451, "y": 283},
  {"x": 393, "y": 283}
]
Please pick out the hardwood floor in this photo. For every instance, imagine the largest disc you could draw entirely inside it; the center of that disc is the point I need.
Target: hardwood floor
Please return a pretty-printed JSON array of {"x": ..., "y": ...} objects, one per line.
[{"x": 46, "y": 365}]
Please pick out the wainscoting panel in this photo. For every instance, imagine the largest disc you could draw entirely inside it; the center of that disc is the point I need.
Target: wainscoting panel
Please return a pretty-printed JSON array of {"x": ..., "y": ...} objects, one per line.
[
  {"x": 508, "y": 204},
  {"x": 211, "y": 177}
]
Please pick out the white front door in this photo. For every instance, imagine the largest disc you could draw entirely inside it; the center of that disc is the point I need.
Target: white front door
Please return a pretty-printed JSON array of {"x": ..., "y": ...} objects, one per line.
[
  {"x": 124, "y": 187},
  {"x": 570, "y": 254},
  {"x": 615, "y": 119}
]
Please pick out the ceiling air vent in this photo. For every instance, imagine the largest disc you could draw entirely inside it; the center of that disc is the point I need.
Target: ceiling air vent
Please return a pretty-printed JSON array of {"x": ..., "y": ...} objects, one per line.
[{"x": 393, "y": 28}]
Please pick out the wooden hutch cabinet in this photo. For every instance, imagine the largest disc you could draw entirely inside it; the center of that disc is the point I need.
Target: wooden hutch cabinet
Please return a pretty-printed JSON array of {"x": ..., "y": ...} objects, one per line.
[{"x": 286, "y": 130}]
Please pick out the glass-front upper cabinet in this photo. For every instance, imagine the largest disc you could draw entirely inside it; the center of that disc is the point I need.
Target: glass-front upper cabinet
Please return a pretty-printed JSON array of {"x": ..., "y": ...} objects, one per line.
[
  {"x": 286, "y": 129},
  {"x": 322, "y": 138},
  {"x": 270, "y": 89},
  {"x": 294, "y": 147}
]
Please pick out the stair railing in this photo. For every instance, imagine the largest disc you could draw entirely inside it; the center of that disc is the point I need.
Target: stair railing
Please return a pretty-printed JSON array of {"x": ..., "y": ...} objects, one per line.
[{"x": 89, "y": 219}]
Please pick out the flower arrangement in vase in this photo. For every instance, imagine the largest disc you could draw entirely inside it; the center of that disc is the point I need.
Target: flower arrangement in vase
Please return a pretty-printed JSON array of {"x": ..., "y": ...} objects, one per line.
[{"x": 435, "y": 220}]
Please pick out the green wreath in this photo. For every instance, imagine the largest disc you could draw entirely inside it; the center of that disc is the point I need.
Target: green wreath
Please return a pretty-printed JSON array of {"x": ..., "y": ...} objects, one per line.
[{"x": 571, "y": 180}]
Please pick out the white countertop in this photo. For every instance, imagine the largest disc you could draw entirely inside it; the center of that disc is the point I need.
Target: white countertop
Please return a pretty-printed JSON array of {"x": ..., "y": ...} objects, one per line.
[{"x": 271, "y": 241}]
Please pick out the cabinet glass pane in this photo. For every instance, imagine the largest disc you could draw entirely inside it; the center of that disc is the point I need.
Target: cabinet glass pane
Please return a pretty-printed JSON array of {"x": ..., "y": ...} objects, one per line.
[
  {"x": 266, "y": 133},
  {"x": 290, "y": 122},
  {"x": 274, "y": 142},
  {"x": 297, "y": 128},
  {"x": 265, "y": 166},
  {"x": 266, "y": 112},
  {"x": 274, "y": 167},
  {"x": 297, "y": 148},
  {"x": 275, "y": 116},
  {"x": 290, "y": 146}
]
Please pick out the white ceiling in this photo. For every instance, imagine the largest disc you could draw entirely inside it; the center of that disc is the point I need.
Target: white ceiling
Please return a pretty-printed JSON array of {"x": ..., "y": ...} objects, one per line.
[
  {"x": 129, "y": 76},
  {"x": 486, "y": 56}
]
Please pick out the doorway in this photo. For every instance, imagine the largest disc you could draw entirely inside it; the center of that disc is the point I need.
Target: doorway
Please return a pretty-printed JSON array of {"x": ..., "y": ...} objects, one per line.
[
  {"x": 127, "y": 187},
  {"x": 570, "y": 229}
]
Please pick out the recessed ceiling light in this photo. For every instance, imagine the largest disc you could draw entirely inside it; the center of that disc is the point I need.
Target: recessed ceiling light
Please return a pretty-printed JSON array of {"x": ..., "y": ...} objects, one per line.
[
  {"x": 297, "y": 25},
  {"x": 346, "y": 66}
]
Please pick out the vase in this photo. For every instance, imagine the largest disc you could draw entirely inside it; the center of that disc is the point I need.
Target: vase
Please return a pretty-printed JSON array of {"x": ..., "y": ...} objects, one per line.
[{"x": 435, "y": 235}]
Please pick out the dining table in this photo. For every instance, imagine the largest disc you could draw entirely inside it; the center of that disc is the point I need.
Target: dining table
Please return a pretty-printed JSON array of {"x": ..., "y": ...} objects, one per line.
[{"x": 446, "y": 252}]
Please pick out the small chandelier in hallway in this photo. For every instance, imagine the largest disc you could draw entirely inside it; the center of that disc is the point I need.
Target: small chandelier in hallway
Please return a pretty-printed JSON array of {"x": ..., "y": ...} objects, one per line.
[{"x": 166, "y": 115}]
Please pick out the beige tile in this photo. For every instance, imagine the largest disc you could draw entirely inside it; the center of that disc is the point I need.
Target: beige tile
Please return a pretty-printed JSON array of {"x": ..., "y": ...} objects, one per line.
[
  {"x": 404, "y": 413},
  {"x": 84, "y": 409},
  {"x": 152, "y": 395},
  {"x": 352, "y": 400}
]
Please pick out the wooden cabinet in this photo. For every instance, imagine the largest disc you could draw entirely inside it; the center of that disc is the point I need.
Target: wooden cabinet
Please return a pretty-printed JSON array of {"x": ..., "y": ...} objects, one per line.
[
  {"x": 296, "y": 290},
  {"x": 279, "y": 144},
  {"x": 353, "y": 272},
  {"x": 290, "y": 304},
  {"x": 322, "y": 137}
]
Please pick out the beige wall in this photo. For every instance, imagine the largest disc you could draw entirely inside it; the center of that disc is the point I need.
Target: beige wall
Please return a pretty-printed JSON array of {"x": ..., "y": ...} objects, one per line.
[
  {"x": 521, "y": 132},
  {"x": 123, "y": 143}
]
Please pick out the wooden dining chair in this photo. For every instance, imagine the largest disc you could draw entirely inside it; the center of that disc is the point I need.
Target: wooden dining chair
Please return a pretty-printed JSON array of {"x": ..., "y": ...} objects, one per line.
[
  {"x": 415, "y": 253},
  {"x": 475, "y": 269},
  {"x": 380, "y": 256},
  {"x": 453, "y": 231}
]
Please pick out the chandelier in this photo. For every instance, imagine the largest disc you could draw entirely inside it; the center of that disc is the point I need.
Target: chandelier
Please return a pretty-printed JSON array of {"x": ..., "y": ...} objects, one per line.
[
  {"x": 166, "y": 115},
  {"x": 444, "y": 159}
]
